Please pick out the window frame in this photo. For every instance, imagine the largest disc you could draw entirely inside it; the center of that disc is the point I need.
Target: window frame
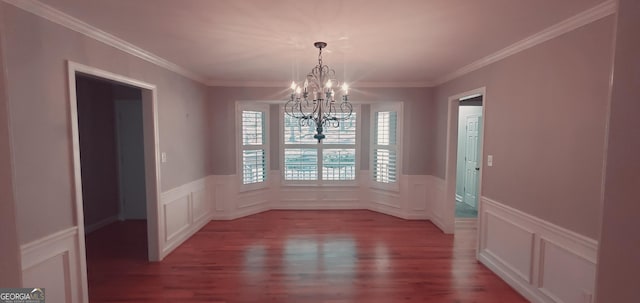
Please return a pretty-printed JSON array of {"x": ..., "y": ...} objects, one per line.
[
  {"x": 319, "y": 148},
  {"x": 396, "y": 107},
  {"x": 242, "y": 106}
]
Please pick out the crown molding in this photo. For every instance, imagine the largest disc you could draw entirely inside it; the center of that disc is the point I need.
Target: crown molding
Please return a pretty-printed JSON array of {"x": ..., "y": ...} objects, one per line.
[
  {"x": 394, "y": 84},
  {"x": 286, "y": 84},
  {"x": 223, "y": 83},
  {"x": 588, "y": 16},
  {"x": 47, "y": 12}
]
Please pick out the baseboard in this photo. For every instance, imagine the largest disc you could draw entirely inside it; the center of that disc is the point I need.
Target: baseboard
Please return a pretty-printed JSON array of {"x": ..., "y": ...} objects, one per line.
[
  {"x": 54, "y": 263},
  {"x": 437, "y": 221},
  {"x": 542, "y": 261},
  {"x": 100, "y": 224},
  {"x": 513, "y": 281}
]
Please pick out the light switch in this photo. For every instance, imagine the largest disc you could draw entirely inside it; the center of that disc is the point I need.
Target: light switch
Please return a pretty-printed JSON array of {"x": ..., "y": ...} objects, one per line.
[
  {"x": 490, "y": 160},
  {"x": 163, "y": 157}
]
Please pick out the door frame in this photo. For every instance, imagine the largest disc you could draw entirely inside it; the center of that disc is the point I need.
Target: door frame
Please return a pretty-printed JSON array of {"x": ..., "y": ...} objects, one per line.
[
  {"x": 452, "y": 158},
  {"x": 151, "y": 152}
]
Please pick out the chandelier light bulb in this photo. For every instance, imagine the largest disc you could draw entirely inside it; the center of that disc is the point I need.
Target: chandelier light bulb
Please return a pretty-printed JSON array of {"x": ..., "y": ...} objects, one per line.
[
  {"x": 329, "y": 84},
  {"x": 293, "y": 85},
  {"x": 298, "y": 90},
  {"x": 345, "y": 88}
]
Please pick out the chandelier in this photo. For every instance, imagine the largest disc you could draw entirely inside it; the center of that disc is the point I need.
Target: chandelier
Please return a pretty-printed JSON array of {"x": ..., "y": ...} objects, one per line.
[{"x": 315, "y": 100}]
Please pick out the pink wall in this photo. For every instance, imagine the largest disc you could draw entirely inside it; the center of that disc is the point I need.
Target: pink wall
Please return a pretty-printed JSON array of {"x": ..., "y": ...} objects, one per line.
[
  {"x": 10, "y": 264},
  {"x": 36, "y": 54},
  {"x": 544, "y": 125},
  {"x": 619, "y": 252},
  {"x": 98, "y": 150},
  {"x": 418, "y": 109}
]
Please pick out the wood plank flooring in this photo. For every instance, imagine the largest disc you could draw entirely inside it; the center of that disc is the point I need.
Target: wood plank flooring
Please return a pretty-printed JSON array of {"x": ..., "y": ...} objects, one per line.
[{"x": 296, "y": 256}]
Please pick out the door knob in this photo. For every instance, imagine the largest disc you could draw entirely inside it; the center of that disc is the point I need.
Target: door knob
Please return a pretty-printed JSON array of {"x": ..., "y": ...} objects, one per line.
[{"x": 477, "y": 168}]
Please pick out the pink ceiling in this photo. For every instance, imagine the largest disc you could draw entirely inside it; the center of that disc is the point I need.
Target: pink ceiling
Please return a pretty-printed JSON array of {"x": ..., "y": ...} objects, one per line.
[{"x": 369, "y": 40}]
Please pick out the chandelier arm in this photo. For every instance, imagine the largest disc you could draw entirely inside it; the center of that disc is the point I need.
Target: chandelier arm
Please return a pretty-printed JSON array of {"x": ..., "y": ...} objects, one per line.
[{"x": 289, "y": 108}]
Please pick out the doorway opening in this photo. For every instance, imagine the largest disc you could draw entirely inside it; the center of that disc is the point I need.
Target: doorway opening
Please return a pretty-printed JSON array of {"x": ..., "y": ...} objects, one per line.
[
  {"x": 116, "y": 168},
  {"x": 114, "y": 203},
  {"x": 111, "y": 152},
  {"x": 468, "y": 161},
  {"x": 468, "y": 219}
]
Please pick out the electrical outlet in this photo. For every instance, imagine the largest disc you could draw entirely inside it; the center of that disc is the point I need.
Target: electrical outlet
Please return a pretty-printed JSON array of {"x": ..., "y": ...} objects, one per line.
[
  {"x": 490, "y": 160},
  {"x": 163, "y": 157}
]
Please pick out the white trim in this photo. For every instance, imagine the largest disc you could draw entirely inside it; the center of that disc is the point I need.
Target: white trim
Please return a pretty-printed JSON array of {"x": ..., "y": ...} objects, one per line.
[
  {"x": 585, "y": 17},
  {"x": 152, "y": 163},
  {"x": 55, "y": 258},
  {"x": 40, "y": 244},
  {"x": 47, "y": 12},
  {"x": 286, "y": 84},
  {"x": 100, "y": 224},
  {"x": 560, "y": 264}
]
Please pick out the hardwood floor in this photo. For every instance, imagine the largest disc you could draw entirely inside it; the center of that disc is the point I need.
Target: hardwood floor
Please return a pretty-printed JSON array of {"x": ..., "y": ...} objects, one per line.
[{"x": 296, "y": 256}]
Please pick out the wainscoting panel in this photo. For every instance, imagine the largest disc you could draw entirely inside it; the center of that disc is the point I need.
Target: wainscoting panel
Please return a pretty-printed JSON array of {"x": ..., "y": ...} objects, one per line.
[
  {"x": 436, "y": 203},
  {"x": 200, "y": 204},
  {"x": 564, "y": 276},
  {"x": 542, "y": 261},
  {"x": 185, "y": 210},
  {"x": 253, "y": 198},
  {"x": 219, "y": 187},
  {"x": 418, "y": 197},
  {"x": 53, "y": 263},
  {"x": 509, "y": 244},
  {"x": 412, "y": 200},
  {"x": 385, "y": 198},
  {"x": 176, "y": 217},
  {"x": 318, "y": 197}
]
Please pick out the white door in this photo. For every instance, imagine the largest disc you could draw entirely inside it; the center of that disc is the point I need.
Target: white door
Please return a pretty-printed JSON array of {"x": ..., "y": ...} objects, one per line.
[
  {"x": 131, "y": 173},
  {"x": 472, "y": 168}
]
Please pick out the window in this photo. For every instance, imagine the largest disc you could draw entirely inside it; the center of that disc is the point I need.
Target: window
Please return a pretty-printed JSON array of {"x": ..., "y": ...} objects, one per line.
[
  {"x": 384, "y": 151},
  {"x": 332, "y": 160},
  {"x": 253, "y": 162}
]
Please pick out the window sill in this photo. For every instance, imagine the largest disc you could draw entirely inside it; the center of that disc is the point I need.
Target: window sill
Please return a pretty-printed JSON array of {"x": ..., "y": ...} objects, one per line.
[
  {"x": 349, "y": 184},
  {"x": 392, "y": 187},
  {"x": 253, "y": 187}
]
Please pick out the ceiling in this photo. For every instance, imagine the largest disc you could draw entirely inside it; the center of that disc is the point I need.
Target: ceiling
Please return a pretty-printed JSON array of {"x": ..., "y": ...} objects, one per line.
[{"x": 381, "y": 41}]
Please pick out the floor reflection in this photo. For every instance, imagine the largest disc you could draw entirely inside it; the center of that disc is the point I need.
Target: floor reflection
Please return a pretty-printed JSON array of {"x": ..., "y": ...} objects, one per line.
[{"x": 321, "y": 262}]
